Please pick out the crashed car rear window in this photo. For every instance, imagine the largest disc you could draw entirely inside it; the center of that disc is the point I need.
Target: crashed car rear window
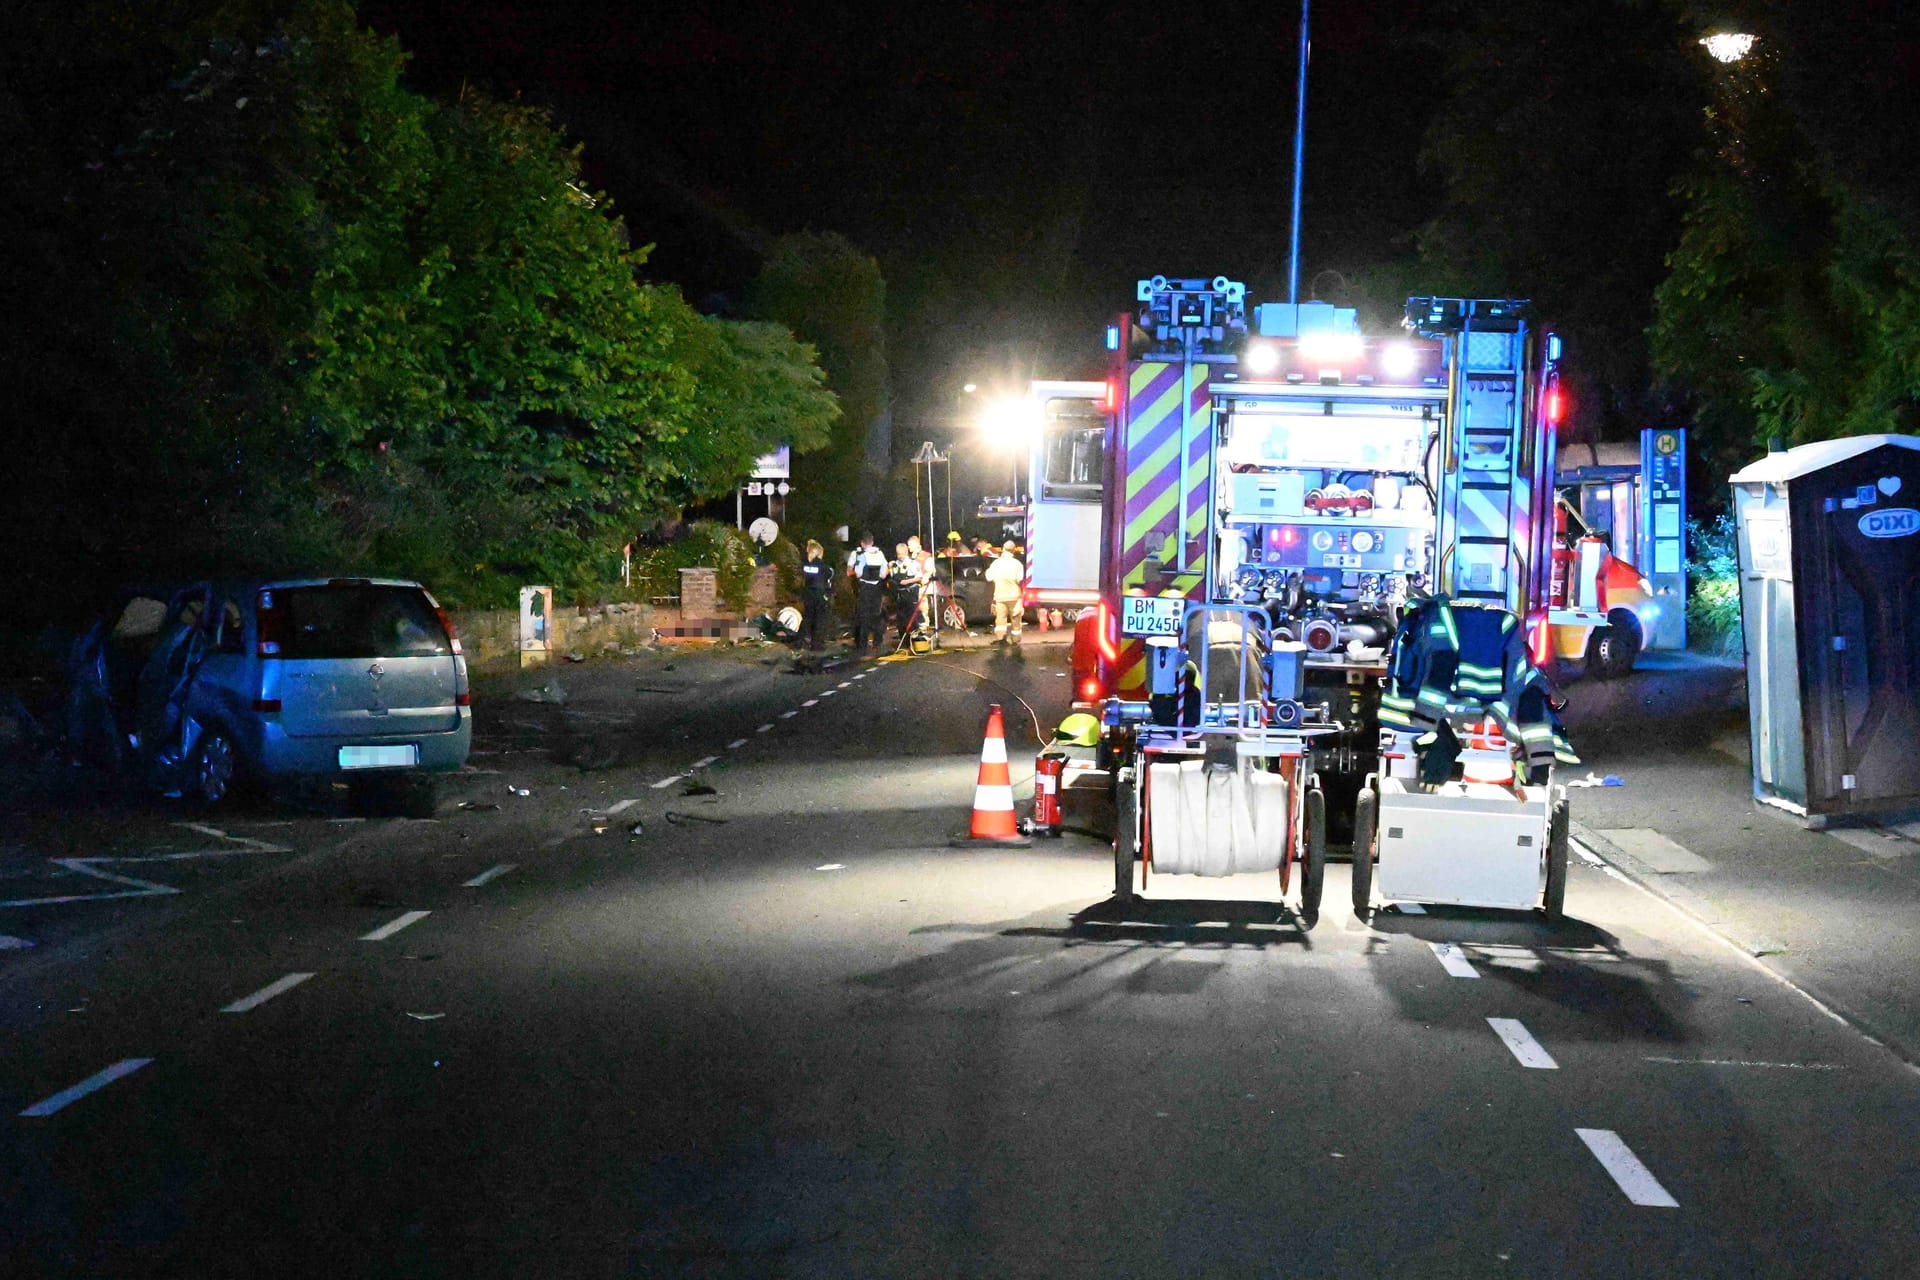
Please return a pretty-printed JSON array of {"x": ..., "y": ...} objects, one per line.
[{"x": 358, "y": 621}]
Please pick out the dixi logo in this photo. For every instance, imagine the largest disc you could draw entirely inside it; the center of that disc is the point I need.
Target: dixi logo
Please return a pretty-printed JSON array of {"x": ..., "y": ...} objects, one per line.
[{"x": 1890, "y": 522}]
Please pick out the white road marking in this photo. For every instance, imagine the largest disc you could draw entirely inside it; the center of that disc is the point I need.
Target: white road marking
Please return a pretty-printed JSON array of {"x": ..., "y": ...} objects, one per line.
[
  {"x": 828, "y": 693},
  {"x": 99, "y": 1080},
  {"x": 491, "y": 873},
  {"x": 869, "y": 671},
  {"x": 1741, "y": 1062},
  {"x": 861, "y": 676},
  {"x": 833, "y": 866},
  {"x": 811, "y": 702},
  {"x": 764, "y": 728},
  {"x": 266, "y": 993},
  {"x": 1524, "y": 1046},
  {"x": 136, "y": 887},
  {"x": 10, "y": 943},
  {"x": 621, "y": 807},
  {"x": 704, "y": 761},
  {"x": 1586, "y": 854},
  {"x": 788, "y": 715},
  {"x": 664, "y": 783},
  {"x": 1453, "y": 960},
  {"x": 1633, "y": 1177},
  {"x": 394, "y": 926},
  {"x": 736, "y": 744},
  {"x": 1410, "y": 908},
  {"x": 844, "y": 684}
]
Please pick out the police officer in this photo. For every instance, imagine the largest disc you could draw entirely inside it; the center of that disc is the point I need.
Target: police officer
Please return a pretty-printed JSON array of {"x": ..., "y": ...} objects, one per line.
[
  {"x": 867, "y": 566},
  {"x": 816, "y": 595}
]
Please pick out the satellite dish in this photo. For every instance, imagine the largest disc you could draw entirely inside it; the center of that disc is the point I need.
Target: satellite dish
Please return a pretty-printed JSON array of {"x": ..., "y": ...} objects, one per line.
[{"x": 763, "y": 531}]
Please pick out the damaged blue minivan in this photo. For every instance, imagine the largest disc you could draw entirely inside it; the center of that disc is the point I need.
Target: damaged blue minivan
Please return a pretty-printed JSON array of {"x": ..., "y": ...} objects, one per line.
[{"x": 203, "y": 687}]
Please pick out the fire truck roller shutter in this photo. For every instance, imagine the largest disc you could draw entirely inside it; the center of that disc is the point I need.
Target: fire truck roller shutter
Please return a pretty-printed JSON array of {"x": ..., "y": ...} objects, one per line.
[{"x": 1215, "y": 819}]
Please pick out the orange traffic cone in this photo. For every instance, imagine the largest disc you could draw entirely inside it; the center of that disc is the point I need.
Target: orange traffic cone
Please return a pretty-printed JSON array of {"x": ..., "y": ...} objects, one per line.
[{"x": 993, "y": 793}]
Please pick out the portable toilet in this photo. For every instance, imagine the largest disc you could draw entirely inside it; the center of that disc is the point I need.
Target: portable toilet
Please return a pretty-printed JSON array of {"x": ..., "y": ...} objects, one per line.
[{"x": 1829, "y": 589}]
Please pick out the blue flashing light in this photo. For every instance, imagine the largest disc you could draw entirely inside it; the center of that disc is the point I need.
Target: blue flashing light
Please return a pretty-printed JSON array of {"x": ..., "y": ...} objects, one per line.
[
  {"x": 1553, "y": 348},
  {"x": 1113, "y": 337}
]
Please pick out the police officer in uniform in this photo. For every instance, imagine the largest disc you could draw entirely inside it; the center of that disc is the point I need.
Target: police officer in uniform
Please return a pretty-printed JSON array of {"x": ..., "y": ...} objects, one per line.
[
  {"x": 905, "y": 572},
  {"x": 816, "y": 595},
  {"x": 868, "y": 569}
]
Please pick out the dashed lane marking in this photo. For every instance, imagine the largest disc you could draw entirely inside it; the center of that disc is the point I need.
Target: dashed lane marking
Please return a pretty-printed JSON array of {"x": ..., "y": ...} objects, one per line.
[
  {"x": 845, "y": 684},
  {"x": 1625, "y": 1168},
  {"x": 621, "y": 806},
  {"x": 1525, "y": 1048},
  {"x": 704, "y": 761},
  {"x": 764, "y": 728},
  {"x": 811, "y": 702},
  {"x": 664, "y": 783},
  {"x": 832, "y": 866},
  {"x": 490, "y": 874},
  {"x": 98, "y": 1080},
  {"x": 1453, "y": 960},
  {"x": 246, "y": 1004},
  {"x": 394, "y": 926},
  {"x": 828, "y": 693},
  {"x": 788, "y": 715},
  {"x": 736, "y": 744},
  {"x": 10, "y": 943},
  {"x": 1742, "y": 1062}
]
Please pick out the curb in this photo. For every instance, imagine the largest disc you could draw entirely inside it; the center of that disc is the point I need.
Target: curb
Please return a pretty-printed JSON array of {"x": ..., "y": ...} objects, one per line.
[{"x": 1696, "y": 909}]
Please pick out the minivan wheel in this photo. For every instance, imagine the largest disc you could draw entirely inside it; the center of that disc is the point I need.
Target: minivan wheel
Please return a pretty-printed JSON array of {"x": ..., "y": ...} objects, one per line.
[{"x": 216, "y": 766}]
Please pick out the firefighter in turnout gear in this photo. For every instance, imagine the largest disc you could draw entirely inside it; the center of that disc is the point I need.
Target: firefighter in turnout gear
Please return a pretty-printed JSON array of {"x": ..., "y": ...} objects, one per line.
[
  {"x": 905, "y": 575},
  {"x": 1451, "y": 664},
  {"x": 868, "y": 569},
  {"x": 816, "y": 598},
  {"x": 1007, "y": 574}
]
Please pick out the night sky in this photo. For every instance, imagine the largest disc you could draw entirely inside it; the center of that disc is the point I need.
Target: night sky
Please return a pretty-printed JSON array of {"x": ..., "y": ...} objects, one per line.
[{"x": 1015, "y": 168}]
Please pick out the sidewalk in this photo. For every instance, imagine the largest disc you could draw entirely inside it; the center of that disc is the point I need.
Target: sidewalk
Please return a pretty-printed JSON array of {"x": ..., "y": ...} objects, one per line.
[{"x": 1836, "y": 912}]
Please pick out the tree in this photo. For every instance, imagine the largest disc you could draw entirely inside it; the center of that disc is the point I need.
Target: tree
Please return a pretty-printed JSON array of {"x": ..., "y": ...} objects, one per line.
[{"x": 832, "y": 296}]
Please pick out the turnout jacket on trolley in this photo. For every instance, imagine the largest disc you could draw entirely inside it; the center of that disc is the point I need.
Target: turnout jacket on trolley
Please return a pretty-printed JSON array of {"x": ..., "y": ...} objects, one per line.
[{"x": 1449, "y": 664}]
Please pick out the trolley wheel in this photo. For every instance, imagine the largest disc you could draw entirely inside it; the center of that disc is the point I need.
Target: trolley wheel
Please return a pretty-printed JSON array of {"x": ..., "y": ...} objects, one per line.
[
  {"x": 1313, "y": 858},
  {"x": 1556, "y": 904},
  {"x": 1126, "y": 835},
  {"x": 1366, "y": 821}
]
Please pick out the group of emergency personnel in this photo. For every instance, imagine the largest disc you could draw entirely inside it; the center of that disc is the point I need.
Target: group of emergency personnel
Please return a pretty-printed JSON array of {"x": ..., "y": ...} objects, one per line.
[{"x": 910, "y": 578}]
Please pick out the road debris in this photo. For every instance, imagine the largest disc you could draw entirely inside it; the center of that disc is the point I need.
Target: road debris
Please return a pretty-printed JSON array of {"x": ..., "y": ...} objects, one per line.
[
  {"x": 637, "y": 829},
  {"x": 519, "y": 791},
  {"x": 677, "y": 819},
  {"x": 1595, "y": 780}
]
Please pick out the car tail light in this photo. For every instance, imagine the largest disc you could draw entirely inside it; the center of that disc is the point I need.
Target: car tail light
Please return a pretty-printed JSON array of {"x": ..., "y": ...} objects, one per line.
[
  {"x": 267, "y": 706},
  {"x": 463, "y": 699},
  {"x": 272, "y": 626},
  {"x": 446, "y": 620}
]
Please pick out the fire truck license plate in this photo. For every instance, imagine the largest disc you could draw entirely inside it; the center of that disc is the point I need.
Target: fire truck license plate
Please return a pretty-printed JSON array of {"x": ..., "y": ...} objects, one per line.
[{"x": 1151, "y": 615}]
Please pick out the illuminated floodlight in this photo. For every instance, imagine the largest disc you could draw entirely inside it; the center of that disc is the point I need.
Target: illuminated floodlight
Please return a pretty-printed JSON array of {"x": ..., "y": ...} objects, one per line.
[
  {"x": 1011, "y": 423},
  {"x": 1728, "y": 46},
  {"x": 1262, "y": 357},
  {"x": 1399, "y": 360},
  {"x": 971, "y": 387},
  {"x": 1316, "y": 348}
]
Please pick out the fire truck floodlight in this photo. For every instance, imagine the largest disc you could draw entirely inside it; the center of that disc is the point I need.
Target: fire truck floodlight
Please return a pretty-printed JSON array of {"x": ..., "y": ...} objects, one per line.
[
  {"x": 1316, "y": 348},
  {"x": 1399, "y": 360},
  {"x": 1262, "y": 357},
  {"x": 1012, "y": 422}
]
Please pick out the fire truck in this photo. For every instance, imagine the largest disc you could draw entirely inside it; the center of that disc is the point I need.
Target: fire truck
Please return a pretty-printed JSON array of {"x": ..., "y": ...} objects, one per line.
[{"x": 1279, "y": 488}]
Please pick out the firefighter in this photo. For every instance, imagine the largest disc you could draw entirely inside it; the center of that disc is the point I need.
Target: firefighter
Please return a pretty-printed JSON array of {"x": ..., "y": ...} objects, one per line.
[
  {"x": 1007, "y": 574},
  {"x": 816, "y": 593},
  {"x": 906, "y": 588},
  {"x": 867, "y": 567}
]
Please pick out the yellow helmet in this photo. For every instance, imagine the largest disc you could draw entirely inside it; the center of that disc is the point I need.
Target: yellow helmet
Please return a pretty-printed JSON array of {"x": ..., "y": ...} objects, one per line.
[{"x": 1080, "y": 729}]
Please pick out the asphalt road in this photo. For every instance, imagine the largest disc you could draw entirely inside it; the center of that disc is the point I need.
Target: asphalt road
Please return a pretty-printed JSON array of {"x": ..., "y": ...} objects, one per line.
[{"x": 788, "y": 1030}]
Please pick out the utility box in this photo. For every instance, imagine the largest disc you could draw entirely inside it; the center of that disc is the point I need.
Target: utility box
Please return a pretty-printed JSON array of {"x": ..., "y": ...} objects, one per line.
[
  {"x": 536, "y": 625},
  {"x": 1829, "y": 543}
]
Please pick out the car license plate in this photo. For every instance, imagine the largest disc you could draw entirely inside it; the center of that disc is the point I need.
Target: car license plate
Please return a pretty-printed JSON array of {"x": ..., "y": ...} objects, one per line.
[
  {"x": 384, "y": 757},
  {"x": 1151, "y": 615}
]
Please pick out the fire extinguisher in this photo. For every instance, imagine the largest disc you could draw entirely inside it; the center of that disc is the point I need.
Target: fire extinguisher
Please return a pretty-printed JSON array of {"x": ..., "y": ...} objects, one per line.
[
  {"x": 1048, "y": 769},
  {"x": 1559, "y": 584}
]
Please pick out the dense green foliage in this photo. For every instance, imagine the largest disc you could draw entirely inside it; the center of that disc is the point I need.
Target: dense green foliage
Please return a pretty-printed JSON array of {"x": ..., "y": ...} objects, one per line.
[
  {"x": 1713, "y": 587},
  {"x": 334, "y": 324},
  {"x": 832, "y": 295}
]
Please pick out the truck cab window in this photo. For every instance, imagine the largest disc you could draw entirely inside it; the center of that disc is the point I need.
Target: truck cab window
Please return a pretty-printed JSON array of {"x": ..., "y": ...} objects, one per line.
[{"x": 1076, "y": 451}]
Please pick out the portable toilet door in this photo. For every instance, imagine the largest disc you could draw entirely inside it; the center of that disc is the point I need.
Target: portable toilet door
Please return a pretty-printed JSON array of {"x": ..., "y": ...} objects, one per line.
[{"x": 1830, "y": 569}]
